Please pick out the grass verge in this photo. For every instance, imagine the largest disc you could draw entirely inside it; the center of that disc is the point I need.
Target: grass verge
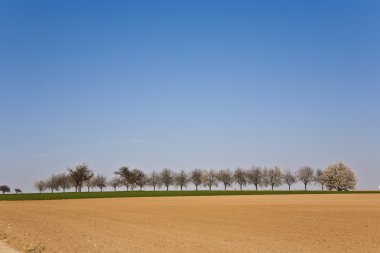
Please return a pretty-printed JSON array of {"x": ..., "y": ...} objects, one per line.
[{"x": 128, "y": 194}]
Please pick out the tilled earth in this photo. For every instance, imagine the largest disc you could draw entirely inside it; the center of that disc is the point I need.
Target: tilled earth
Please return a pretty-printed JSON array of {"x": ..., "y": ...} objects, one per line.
[{"x": 275, "y": 223}]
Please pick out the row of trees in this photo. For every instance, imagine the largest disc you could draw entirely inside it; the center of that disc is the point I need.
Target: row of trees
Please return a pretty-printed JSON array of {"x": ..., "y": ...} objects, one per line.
[{"x": 337, "y": 176}]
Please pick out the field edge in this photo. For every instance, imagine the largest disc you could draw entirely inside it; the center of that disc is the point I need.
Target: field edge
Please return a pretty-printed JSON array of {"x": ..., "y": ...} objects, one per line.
[{"x": 136, "y": 194}]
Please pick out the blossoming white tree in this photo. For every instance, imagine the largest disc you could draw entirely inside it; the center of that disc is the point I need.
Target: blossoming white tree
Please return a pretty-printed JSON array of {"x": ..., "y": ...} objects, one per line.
[{"x": 340, "y": 177}]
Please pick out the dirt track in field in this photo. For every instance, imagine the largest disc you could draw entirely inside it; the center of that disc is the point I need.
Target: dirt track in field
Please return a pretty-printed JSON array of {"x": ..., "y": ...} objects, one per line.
[{"x": 277, "y": 223}]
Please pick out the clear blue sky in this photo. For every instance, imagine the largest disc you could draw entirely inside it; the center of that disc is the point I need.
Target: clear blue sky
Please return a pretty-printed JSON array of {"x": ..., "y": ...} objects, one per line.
[{"x": 188, "y": 84}]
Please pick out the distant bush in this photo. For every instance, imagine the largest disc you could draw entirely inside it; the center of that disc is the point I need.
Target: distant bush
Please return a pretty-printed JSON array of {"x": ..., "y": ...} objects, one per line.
[{"x": 5, "y": 188}]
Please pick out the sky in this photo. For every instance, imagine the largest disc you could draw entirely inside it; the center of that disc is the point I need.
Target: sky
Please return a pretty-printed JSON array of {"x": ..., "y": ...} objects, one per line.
[{"x": 188, "y": 84}]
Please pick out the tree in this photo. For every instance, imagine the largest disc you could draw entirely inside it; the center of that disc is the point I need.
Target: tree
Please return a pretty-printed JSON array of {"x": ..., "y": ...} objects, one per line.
[
  {"x": 5, "y": 188},
  {"x": 289, "y": 178},
  {"x": 319, "y": 178},
  {"x": 52, "y": 183},
  {"x": 115, "y": 182},
  {"x": 63, "y": 181},
  {"x": 136, "y": 178},
  {"x": 210, "y": 178},
  {"x": 18, "y": 190},
  {"x": 79, "y": 175},
  {"x": 255, "y": 176},
  {"x": 225, "y": 176},
  {"x": 125, "y": 174},
  {"x": 340, "y": 177},
  {"x": 196, "y": 178},
  {"x": 140, "y": 178},
  {"x": 240, "y": 177},
  {"x": 272, "y": 177},
  {"x": 89, "y": 183},
  {"x": 100, "y": 182},
  {"x": 40, "y": 185},
  {"x": 132, "y": 179},
  {"x": 154, "y": 180},
  {"x": 306, "y": 175},
  {"x": 166, "y": 177},
  {"x": 181, "y": 179}
]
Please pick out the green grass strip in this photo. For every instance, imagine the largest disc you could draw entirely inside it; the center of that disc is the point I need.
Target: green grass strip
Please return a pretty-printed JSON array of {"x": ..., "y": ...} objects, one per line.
[{"x": 129, "y": 194}]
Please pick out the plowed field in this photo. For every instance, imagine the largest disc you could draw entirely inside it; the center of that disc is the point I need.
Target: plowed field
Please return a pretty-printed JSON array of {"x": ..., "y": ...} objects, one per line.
[{"x": 275, "y": 223}]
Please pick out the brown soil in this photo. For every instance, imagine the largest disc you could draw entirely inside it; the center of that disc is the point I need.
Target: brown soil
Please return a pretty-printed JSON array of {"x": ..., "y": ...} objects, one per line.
[
  {"x": 282, "y": 223},
  {"x": 4, "y": 248}
]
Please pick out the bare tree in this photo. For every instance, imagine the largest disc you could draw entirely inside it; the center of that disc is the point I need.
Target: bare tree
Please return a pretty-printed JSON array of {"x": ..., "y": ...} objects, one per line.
[
  {"x": 240, "y": 177},
  {"x": 89, "y": 183},
  {"x": 225, "y": 176},
  {"x": 210, "y": 178},
  {"x": 63, "y": 181},
  {"x": 79, "y": 175},
  {"x": 181, "y": 179},
  {"x": 272, "y": 177},
  {"x": 289, "y": 178},
  {"x": 196, "y": 178},
  {"x": 40, "y": 185},
  {"x": 255, "y": 176},
  {"x": 125, "y": 174},
  {"x": 319, "y": 178},
  {"x": 18, "y": 190},
  {"x": 52, "y": 183},
  {"x": 115, "y": 182},
  {"x": 140, "y": 178},
  {"x": 5, "y": 188},
  {"x": 340, "y": 177},
  {"x": 132, "y": 180},
  {"x": 166, "y": 177},
  {"x": 154, "y": 180},
  {"x": 306, "y": 175},
  {"x": 137, "y": 178},
  {"x": 100, "y": 182}
]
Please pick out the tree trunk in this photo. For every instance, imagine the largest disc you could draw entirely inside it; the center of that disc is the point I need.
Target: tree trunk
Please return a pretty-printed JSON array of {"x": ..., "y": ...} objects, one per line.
[
  {"x": 322, "y": 187},
  {"x": 241, "y": 187},
  {"x": 225, "y": 186},
  {"x": 167, "y": 188},
  {"x": 114, "y": 188},
  {"x": 181, "y": 187},
  {"x": 196, "y": 187},
  {"x": 101, "y": 189},
  {"x": 256, "y": 186},
  {"x": 272, "y": 187},
  {"x": 305, "y": 187},
  {"x": 154, "y": 188},
  {"x": 209, "y": 187},
  {"x": 289, "y": 187}
]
